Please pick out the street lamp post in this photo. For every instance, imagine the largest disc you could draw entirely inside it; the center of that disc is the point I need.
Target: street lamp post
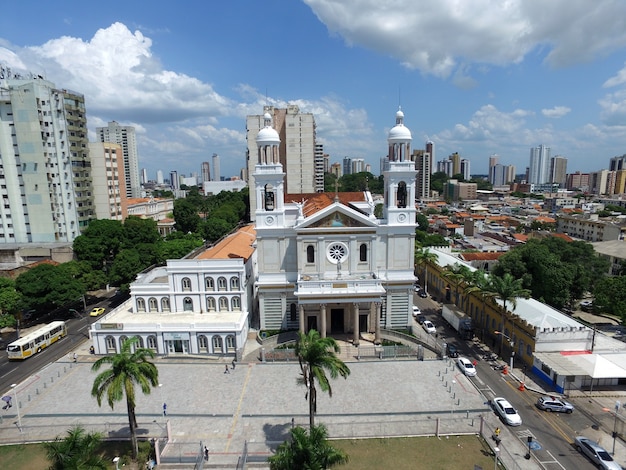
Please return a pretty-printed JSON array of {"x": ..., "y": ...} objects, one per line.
[
  {"x": 17, "y": 407},
  {"x": 617, "y": 407},
  {"x": 502, "y": 336}
]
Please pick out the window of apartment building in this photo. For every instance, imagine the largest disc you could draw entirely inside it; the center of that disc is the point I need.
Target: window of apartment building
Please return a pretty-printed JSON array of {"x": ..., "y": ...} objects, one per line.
[
  {"x": 111, "y": 346},
  {"x": 230, "y": 343},
  {"x": 188, "y": 304},
  {"x": 141, "y": 305},
  {"x": 310, "y": 254},
  {"x": 234, "y": 283},
  {"x": 363, "y": 252},
  {"x": 221, "y": 283},
  {"x": 223, "y": 304},
  {"x": 236, "y": 303},
  {"x": 165, "y": 304},
  {"x": 203, "y": 344},
  {"x": 153, "y": 305},
  {"x": 186, "y": 284},
  {"x": 210, "y": 304},
  {"x": 217, "y": 343},
  {"x": 152, "y": 343}
]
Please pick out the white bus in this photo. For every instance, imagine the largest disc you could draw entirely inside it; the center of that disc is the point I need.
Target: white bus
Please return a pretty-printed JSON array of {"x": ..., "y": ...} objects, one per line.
[{"x": 37, "y": 340}]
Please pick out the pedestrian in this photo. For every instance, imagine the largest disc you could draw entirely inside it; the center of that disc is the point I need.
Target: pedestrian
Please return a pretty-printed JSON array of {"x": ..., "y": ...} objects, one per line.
[
  {"x": 7, "y": 400},
  {"x": 92, "y": 350},
  {"x": 233, "y": 363},
  {"x": 164, "y": 409},
  {"x": 75, "y": 357},
  {"x": 206, "y": 453},
  {"x": 227, "y": 370}
]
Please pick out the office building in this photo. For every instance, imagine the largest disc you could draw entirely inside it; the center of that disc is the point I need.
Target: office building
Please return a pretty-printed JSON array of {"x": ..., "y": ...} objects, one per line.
[
  {"x": 46, "y": 169},
  {"x": 539, "y": 168},
  {"x": 174, "y": 180},
  {"x": 159, "y": 178},
  {"x": 297, "y": 133},
  {"x": 125, "y": 136},
  {"x": 107, "y": 163},
  {"x": 217, "y": 175}
]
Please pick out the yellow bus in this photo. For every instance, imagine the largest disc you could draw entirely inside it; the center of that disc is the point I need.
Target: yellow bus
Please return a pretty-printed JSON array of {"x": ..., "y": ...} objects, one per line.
[{"x": 37, "y": 340}]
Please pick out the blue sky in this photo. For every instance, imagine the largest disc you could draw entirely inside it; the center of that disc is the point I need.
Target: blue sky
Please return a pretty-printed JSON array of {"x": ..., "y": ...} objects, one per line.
[{"x": 476, "y": 77}]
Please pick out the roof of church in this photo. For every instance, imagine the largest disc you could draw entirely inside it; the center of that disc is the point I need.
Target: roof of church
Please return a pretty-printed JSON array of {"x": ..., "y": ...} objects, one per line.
[
  {"x": 315, "y": 202},
  {"x": 236, "y": 245}
]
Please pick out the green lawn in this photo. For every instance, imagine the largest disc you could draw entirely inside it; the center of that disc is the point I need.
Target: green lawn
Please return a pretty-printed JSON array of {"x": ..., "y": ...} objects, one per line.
[{"x": 415, "y": 453}]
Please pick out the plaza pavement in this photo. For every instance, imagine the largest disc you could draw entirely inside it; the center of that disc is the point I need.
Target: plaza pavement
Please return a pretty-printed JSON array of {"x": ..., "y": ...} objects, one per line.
[{"x": 257, "y": 403}]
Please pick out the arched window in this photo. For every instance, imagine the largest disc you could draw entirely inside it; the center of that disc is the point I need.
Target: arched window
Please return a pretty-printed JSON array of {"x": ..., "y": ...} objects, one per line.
[
  {"x": 121, "y": 340},
  {"x": 186, "y": 284},
  {"x": 236, "y": 302},
  {"x": 209, "y": 283},
  {"x": 203, "y": 344},
  {"x": 310, "y": 254},
  {"x": 141, "y": 305},
  {"x": 234, "y": 283},
  {"x": 110, "y": 344},
  {"x": 152, "y": 343},
  {"x": 402, "y": 196},
  {"x": 363, "y": 252},
  {"x": 188, "y": 304},
  {"x": 223, "y": 304},
  {"x": 139, "y": 343},
  {"x": 210, "y": 304},
  {"x": 165, "y": 304},
  {"x": 153, "y": 305},
  {"x": 230, "y": 343},
  {"x": 293, "y": 309},
  {"x": 221, "y": 283},
  {"x": 217, "y": 344}
]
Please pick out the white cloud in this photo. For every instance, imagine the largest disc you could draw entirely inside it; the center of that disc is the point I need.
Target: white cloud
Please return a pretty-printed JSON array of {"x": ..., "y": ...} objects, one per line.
[
  {"x": 556, "y": 112},
  {"x": 434, "y": 36},
  {"x": 617, "y": 80},
  {"x": 613, "y": 107}
]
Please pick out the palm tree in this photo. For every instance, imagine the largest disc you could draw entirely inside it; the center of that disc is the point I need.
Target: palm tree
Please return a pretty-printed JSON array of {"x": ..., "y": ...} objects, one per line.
[
  {"x": 310, "y": 451},
  {"x": 424, "y": 257},
  {"x": 316, "y": 356},
  {"x": 507, "y": 289},
  {"x": 76, "y": 451},
  {"x": 128, "y": 368},
  {"x": 456, "y": 275}
]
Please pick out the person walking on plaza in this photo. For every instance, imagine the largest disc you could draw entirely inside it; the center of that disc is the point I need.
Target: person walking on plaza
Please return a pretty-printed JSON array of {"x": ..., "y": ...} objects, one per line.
[
  {"x": 227, "y": 370},
  {"x": 206, "y": 453},
  {"x": 164, "y": 409},
  {"x": 233, "y": 363}
]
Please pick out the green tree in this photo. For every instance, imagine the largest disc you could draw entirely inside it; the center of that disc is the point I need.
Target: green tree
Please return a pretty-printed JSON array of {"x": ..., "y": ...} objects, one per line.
[
  {"x": 186, "y": 216},
  {"x": 10, "y": 298},
  {"x": 307, "y": 451},
  {"x": 47, "y": 286},
  {"x": 138, "y": 231},
  {"x": 76, "y": 451},
  {"x": 128, "y": 367},
  {"x": 99, "y": 243},
  {"x": 422, "y": 222},
  {"x": 317, "y": 356},
  {"x": 424, "y": 258},
  {"x": 456, "y": 275},
  {"x": 127, "y": 264},
  {"x": 214, "y": 229},
  {"x": 508, "y": 290},
  {"x": 610, "y": 295}
]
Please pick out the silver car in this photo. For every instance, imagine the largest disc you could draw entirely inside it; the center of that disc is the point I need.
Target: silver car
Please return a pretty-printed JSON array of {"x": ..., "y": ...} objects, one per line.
[
  {"x": 550, "y": 403},
  {"x": 506, "y": 411},
  {"x": 600, "y": 457}
]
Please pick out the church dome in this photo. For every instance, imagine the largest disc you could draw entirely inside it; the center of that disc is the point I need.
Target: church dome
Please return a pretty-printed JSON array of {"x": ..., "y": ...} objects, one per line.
[
  {"x": 399, "y": 133},
  {"x": 267, "y": 135}
]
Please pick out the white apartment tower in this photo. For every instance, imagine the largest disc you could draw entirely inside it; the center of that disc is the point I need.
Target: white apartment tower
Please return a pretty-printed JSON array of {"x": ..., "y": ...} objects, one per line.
[
  {"x": 45, "y": 170},
  {"x": 125, "y": 136},
  {"x": 558, "y": 170},
  {"x": 539, "y": 169},
  {"x": 107, "y": 162},
  {"x": 206, "y": 171},
  {"x": 320, "y": 163},
  {"x": 422, "y": 165},
  {"x": 297, "y": 149},
  {"x": 216, "y": 167}
]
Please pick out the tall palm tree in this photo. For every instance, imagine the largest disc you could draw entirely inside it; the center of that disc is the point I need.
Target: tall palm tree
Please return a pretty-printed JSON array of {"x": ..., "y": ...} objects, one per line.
[
  {"x": 456, "y": 274},
  {"x": 129, "y": 367},
  {"x": 424, "y": 257},
  {"x": 307, "y": 451},
  {"x": 317, "y": 355},
  {"x": 78, "y": 450},
  {"x": 507, "y": 289}
]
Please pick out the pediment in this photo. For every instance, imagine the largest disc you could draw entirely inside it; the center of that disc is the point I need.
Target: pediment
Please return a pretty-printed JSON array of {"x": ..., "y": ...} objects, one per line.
[{"x": 339, "y": 217}]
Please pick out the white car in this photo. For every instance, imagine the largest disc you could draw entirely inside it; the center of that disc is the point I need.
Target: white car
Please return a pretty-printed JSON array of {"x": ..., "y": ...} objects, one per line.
[
  {"x": 466, "y": 366},
  {"x": 416, "y": 311},
  {"x": 506, "y": 411},
  {"x": 429, "y": 327}
]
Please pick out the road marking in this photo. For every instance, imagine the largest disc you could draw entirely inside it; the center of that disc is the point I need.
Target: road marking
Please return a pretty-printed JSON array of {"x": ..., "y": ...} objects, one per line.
[{"x": 12, "y": 370}]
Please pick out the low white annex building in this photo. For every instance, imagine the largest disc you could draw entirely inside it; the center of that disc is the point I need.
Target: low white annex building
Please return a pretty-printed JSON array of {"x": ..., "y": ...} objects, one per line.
[{"x": 196, "y": 305}]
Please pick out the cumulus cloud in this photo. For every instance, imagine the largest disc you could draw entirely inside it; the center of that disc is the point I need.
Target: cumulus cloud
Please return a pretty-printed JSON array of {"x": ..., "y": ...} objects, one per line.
[
  {"x": 434, "y": 36},
  {"x": 613, "y": 106},
  {"x": 556, "y": 112},
  {"x": 618, "y": 79}
]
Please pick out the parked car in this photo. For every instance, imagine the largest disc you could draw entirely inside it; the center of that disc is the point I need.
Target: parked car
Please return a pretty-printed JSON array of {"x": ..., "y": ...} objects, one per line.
[
  {"x": 452, "y": 351},
  {"x": 600, "y": 457},
  {"x": 96, "y": 312},
  {"x": 429, "y": 327},
  {"x": 416, "y": 311},
  {"x": 466, "y": 366},
  {"x": 506, "y": 411},
  {"x": 550, "y": 403},
  {"x": 586, "y": 305},
  {"x": 422, "y": 293}
]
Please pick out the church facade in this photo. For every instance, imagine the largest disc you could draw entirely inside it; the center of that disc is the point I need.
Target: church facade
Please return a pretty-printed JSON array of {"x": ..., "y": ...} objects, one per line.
[{"x": 325, "y": 261}]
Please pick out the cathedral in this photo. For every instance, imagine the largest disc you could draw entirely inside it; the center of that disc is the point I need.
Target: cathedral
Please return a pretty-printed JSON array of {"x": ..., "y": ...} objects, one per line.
[{"x": 324, "y": 260}]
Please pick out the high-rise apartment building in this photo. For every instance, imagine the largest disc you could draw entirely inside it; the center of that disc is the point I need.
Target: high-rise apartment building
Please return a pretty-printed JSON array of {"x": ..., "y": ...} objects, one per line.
[
  {"x": 465, "y": 169},
  {"x": 430, "y": 149},
  {"x": 107, "y": 163},
  {"x": 347, "y": 166},
  {"x": 558, "y": 170},
  {"x": 422, "y": 165},
  {"x": 144, "y": 175},
  {"x": 539, "y": 168},
  {"x": 501, "y": 175},
  {"x": 45, "y": 172},
  {"x": 617, "y": 163},
  {"x": 159, "y": 179},
  {"x": 217, "y": 175},
  {"x": 297, "y": 148},
  {"x": 206, "y": 171},
  {"x": 125, "y": 136},
  {"x": 319, "y": 168},
  {"x": 174, "y": 180},
  {"x": 578, "y": 181},
  {"x": 455, "y": 158}
]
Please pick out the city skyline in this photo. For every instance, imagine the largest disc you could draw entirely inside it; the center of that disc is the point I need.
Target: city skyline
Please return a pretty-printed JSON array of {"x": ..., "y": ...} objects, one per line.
[{"x": 186, "y": 82}]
